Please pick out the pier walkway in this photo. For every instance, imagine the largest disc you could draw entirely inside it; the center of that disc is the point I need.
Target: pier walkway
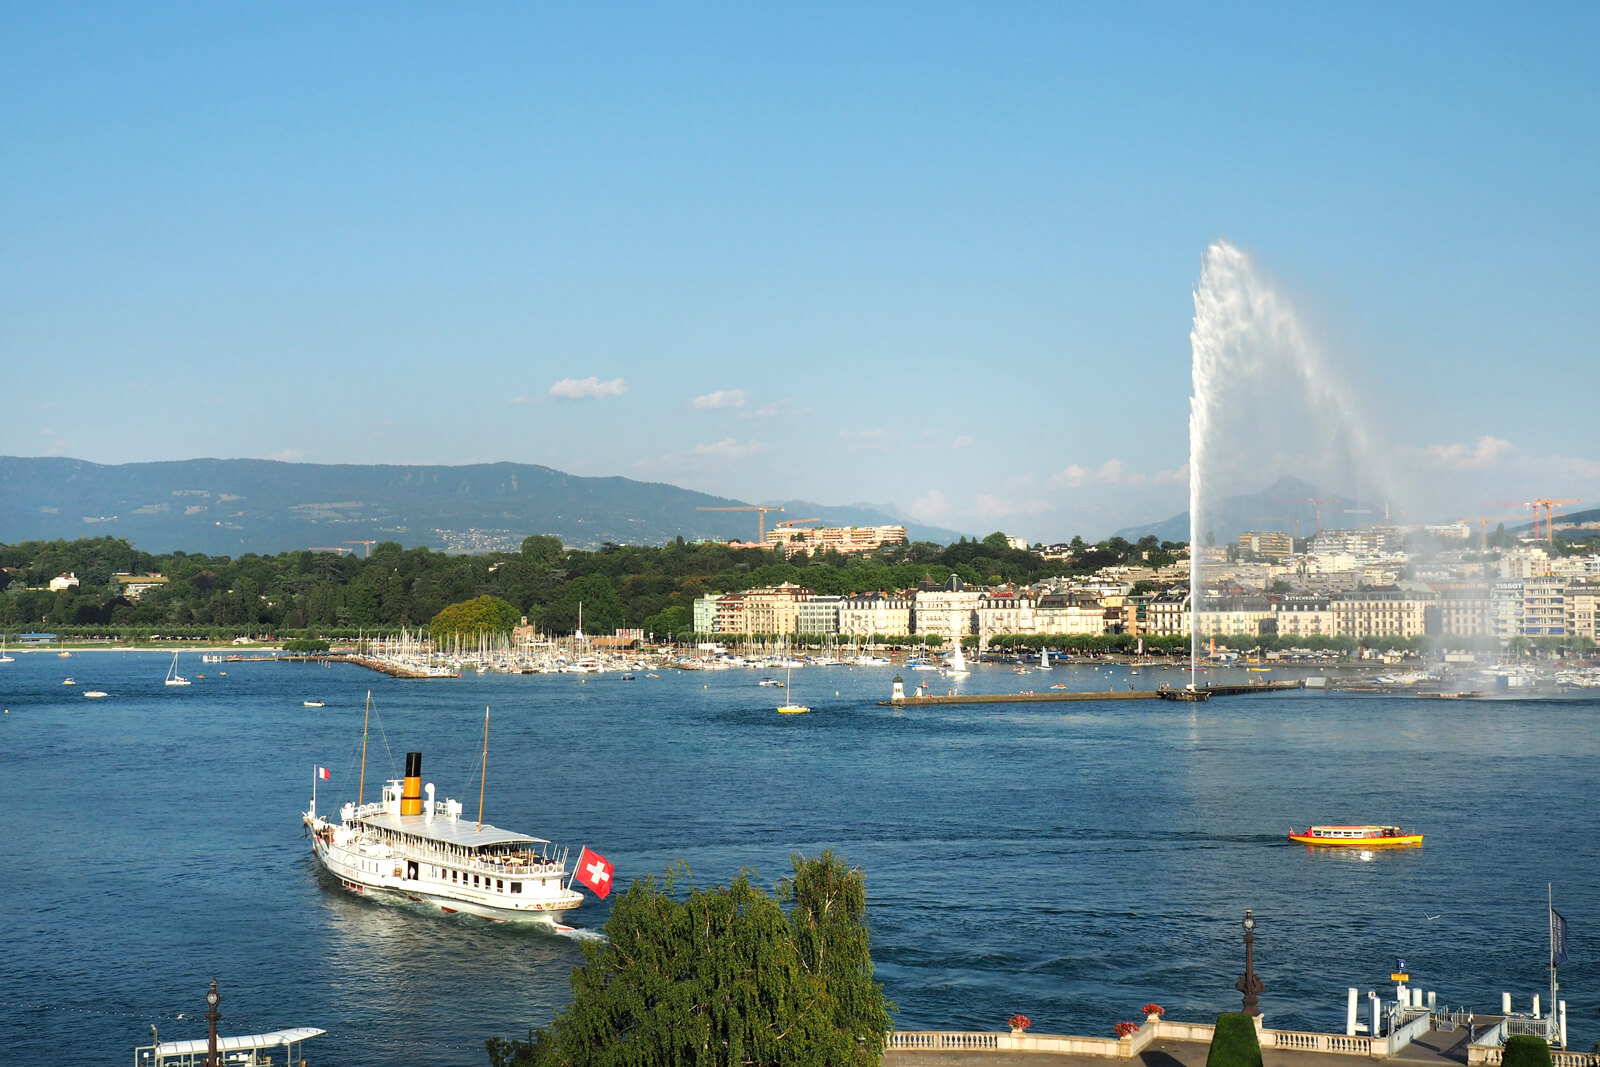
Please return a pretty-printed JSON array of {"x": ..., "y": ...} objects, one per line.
[{"x": 1060, "y": 696}]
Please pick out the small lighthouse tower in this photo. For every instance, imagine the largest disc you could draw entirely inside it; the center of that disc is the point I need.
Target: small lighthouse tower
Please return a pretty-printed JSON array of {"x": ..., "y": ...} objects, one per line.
[{"x": 898, "y": 694}]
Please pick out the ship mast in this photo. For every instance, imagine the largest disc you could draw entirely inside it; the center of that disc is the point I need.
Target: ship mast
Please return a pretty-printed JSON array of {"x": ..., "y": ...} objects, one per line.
[
  {"x": 361, "y": 793},
  {"x": 485, "y": 779}
]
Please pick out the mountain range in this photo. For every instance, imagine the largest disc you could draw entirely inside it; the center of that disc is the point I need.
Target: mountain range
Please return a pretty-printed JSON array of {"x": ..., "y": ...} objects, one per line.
[
  {"x": 1288, "y": 504},
  {"x": 234, "y": 506}
]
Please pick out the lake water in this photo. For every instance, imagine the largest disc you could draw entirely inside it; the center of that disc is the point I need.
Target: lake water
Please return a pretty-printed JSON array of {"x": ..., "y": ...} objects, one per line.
[{"x": 1070, "y": 861}]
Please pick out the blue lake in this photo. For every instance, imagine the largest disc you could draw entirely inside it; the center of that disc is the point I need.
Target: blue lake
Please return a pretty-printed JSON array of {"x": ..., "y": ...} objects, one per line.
[{"x": 1067, "y": 861}]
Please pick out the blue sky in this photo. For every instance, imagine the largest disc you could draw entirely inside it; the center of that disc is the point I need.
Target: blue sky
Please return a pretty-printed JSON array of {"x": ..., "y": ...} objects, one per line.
[{"x": 936, "y": 256}]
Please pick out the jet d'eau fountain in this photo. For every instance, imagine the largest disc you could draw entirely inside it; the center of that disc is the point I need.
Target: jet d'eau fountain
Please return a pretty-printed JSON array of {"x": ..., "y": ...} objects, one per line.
[{"x": 1265, "y": 404}]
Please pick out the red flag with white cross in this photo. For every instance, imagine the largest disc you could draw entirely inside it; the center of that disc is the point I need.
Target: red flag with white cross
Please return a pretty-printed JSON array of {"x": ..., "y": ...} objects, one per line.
[{"x": 594, "y": 871}]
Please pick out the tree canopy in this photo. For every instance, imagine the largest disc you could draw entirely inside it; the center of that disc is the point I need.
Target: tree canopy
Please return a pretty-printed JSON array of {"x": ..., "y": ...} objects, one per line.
[
  {"x": 723, "y": 977},
  {"x": 470, "y": 618}
]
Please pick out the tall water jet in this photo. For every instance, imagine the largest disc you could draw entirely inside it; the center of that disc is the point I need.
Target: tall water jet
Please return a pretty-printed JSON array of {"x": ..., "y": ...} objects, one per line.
[{"x": 1264, "y": 403}]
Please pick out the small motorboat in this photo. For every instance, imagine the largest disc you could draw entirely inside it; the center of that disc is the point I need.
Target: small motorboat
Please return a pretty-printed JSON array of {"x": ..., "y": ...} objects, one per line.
[
  {"x": 312, "y": 703},
  {"x": 95, "y": 694},
  {"x": 1363, "y": 837},
  {"x": 68, "y": 681},
  {"x": 771, "y": 682}
]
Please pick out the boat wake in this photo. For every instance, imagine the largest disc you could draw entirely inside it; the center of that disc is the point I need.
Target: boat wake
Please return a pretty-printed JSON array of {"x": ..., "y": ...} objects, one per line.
[{"x": 576, "y": 933}]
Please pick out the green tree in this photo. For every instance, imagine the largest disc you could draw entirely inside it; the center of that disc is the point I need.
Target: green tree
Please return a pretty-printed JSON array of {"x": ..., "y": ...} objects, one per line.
[
  {"x": 725, "y": 977},
  {"x": 1526, "y": 1050},
  {"x": 483, "y": 615}
]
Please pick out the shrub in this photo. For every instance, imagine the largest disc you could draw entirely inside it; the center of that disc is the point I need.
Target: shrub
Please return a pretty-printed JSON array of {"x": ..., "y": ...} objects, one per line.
[
  {"x": 1526, "y": 1050},
  {"x": 1235, "y": 1043}
]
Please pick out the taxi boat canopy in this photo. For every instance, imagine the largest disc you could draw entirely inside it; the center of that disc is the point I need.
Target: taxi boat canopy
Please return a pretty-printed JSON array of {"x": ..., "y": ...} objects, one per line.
[
  {"x": 1355, "y": 836},
  {"x": 249, "y": 1049}
]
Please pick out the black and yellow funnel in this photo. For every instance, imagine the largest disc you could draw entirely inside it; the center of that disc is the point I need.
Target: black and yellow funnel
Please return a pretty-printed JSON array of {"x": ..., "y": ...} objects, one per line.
[{"x": 411, "y": 798}]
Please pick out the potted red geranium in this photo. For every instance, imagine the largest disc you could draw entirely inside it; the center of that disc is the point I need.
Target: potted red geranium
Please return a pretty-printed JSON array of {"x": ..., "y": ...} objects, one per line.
[
  {"x": 1153, "y": 1012},
  {"x": 1126, "y": 1029},
  {"x": 1019, "y": 1023}
]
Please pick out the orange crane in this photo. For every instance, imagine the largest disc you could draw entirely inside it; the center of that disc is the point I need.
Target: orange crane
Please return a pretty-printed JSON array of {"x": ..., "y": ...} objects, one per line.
[
  {"x": 761, "y": 519},
  {"x": 1517, "y": 504},
  {"x": 330, "y": 548},
  {"x": 369, "y": 545},
  {"x": 1549, "y": 516},
  {"x": 1317, "y": 500}
]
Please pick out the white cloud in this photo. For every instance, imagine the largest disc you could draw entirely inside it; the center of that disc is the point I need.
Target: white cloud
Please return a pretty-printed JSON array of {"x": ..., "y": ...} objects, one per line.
[
  {"x": 1469, "y": 457},
  {"x": 775, "y": 410},
  {"x": 288, "y": 455},
  {"x": 590, "y": 388},
  {"x": 1115, "y": 472},
  {"x": 728, "y": 448},
  {"x": 1071, "y": 477},
  {"x": 966, "y": 440},
  {"x": 989, "y": 506},
  {"x": 866, "y": 435},
  {"x": 721, "y": 400},
  {"x": 57, "y": 445},
  {"x": 1572, "y": 467},
  {"x": 522, "y": 398},
  {"x": 931, "y": 505}
]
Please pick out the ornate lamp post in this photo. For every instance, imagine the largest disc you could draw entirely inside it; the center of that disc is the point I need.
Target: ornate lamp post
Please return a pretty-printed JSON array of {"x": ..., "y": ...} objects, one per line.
[
  {"x": 212, "y": 1015},
  {"x": 1249, "y": 984}
]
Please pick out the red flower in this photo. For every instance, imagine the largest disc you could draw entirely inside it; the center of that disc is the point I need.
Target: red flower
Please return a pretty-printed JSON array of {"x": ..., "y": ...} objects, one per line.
[
  {"x": 1124, "y": 1029},
  {"x": 1153, "y": 1009},
  {"x": 1020, "y": 1022}
]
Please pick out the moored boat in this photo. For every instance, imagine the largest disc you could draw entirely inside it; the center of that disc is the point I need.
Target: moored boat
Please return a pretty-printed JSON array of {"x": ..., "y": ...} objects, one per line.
[{"x": 1354, "y": 836}]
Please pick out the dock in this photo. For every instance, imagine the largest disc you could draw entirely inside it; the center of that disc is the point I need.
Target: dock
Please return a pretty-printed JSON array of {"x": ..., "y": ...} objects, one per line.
[{"x": 1068, "y": 696}]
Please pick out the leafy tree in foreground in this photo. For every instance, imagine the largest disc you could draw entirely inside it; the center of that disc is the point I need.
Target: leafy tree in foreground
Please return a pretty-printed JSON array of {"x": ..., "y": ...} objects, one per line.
[{"x": 724, "y": 977}]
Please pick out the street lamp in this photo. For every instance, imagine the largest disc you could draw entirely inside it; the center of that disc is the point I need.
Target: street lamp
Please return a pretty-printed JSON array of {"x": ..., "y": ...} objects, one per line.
[
  {"x": 1249, "y": 984},
  {"x": 212, "y": 1015}
]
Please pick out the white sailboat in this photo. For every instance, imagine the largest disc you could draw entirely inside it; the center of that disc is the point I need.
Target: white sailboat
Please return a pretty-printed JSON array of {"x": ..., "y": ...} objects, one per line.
[
  {"x": 790, "y": 706},
  {"x": 173, "y": 677},
  {"x": 956, "y": 665},
  {"x": 1044, "y": 659},
  {"x": 3, "y": 657}
]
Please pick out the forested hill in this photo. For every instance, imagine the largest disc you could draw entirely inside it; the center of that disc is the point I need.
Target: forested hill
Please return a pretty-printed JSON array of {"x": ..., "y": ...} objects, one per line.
[{"x": 235, "y": 506}]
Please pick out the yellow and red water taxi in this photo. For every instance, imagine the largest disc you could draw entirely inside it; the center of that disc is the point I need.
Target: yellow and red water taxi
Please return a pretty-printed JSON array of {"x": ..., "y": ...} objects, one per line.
[{"x": 1354, "y": 836}]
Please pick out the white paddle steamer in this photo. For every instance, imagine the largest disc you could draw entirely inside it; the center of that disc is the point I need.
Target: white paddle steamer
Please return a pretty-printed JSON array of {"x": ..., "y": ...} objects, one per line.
[{"x": 424, "y": 851}]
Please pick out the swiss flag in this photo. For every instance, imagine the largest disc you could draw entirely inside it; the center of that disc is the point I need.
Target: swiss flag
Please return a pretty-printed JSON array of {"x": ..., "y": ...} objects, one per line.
[{"x": 594, "y": 871}]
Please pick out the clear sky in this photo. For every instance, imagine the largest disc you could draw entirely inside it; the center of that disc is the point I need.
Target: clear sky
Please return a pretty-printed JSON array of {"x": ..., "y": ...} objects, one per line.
[{"x": 936, "y": 256}]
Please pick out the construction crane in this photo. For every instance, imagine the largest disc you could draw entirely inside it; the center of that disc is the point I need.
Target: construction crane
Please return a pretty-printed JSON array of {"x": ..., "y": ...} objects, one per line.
[
  {"x": 1549, "y": 516},
  {"x": 1483, "y": 526},
  {"x": 369, "y": 545},
  {"x": 1517, "y": 504},
  {"x": 1280, "y": 518},
  {"x": 761, "y": 518},
  {"x": 330, "y": 548},
  {"x": 788, "y": 523},
  {"x": 1316, "y": 500}
]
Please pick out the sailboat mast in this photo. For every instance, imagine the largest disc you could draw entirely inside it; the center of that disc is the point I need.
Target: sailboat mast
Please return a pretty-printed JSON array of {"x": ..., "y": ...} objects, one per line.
[
  {"x": 485, "y": 779},
  {"x": 361, "y": 792}
]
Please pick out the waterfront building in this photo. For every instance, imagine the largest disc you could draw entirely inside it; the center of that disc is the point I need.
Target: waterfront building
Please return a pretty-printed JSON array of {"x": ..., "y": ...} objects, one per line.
[
  {"x": 949, "y": 609},
  {"x": 1386, "y": 611},
  {"x": 1544, "y": 606},
  {"x": 1072, "y": 614},
  {"x": 1506, "y": 611},
  {"x": 1167, "y": 613},
  {"x": 1465, "y": 611},
  {"x": 875, "y": 613},
  {"x": 819, "y": 615},
  {"x": 1234, "y": 615},
  {"x": 1583, "y": 611},
  {"x": 704, "y": 613},
  {"x": 1006, "y": 611},
  {"x": 774, "y": 609},
  {"x": 1305, "y": 615}
]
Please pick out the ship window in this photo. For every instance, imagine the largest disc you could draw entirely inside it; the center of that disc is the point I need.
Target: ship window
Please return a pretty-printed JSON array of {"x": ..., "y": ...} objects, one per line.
[
  {"x": 516, "y": 887},
  {"x": 474, "y": 881},
  {"x": 500, "y": 885}
]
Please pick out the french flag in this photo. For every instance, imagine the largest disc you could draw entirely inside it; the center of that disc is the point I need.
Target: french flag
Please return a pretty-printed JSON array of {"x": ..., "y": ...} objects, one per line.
[{"x": 322, "y": 772}]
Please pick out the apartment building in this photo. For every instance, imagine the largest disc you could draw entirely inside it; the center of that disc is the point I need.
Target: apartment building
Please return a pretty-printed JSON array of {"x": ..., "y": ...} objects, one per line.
[
  {"x": 1386, "y": 611},
  {"x": 950, "y": 609},
  {"x": 875, "y": 613}
]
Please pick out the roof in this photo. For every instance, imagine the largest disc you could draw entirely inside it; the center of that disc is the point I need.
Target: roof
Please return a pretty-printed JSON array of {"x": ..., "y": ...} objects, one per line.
[
  {"x": 462, "y": 831},
  {"x": 233, "y": 1044}
]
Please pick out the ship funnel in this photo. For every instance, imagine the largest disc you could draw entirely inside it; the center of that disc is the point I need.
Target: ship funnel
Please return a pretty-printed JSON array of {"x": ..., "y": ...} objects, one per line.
[{"x": 411, "y": 798}]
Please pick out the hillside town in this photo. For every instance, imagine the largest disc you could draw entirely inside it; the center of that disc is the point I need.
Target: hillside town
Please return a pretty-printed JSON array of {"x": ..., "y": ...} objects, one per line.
[{"x": 1401, "y": 585}]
